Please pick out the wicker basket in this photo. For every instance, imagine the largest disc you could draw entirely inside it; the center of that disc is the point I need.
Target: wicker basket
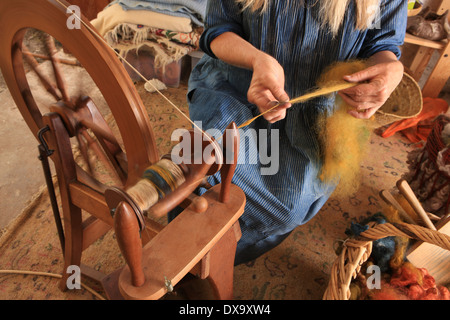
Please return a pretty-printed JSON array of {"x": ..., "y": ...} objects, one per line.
[
  {"x": 404, "y": 102},
  {"x": 358, "y": 250},
  {"x": 414, "y": 11}
]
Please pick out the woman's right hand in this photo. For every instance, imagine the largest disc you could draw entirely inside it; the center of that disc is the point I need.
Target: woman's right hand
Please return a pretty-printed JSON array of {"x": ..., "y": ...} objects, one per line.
[{"x": 267, "y": 87}]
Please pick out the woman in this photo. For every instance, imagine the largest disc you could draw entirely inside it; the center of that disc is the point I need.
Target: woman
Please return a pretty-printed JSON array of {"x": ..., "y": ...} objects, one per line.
[{"x": 261, "y": 51}]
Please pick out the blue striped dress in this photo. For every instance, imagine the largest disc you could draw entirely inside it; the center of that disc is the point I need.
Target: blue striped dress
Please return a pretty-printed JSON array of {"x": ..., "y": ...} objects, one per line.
[{"x": 279, "y": 163}]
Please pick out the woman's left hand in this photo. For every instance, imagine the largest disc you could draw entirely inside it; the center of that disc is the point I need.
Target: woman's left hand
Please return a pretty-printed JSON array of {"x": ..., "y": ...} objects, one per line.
[{"x": 377, "y": 83}]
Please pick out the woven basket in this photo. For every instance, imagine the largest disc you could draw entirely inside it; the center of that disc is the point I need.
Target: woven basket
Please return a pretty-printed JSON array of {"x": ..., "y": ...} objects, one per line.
[
  {"x": 356, "y": 251},
  {"x": 414, "y": 11},
  {"x": 404, "y": 102}
]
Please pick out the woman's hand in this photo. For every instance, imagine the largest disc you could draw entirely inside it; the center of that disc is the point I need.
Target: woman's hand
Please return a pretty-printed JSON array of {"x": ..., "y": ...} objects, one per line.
[
  {"x": 378, "y": 82},
  {"x": 267, "y": 87}
]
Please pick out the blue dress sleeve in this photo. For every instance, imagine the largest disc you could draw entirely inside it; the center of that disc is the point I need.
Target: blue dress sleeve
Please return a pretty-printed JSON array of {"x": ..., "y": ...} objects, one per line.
[
  {"x": 221, "y": 16},
  {"x": 388, "y": 31}
]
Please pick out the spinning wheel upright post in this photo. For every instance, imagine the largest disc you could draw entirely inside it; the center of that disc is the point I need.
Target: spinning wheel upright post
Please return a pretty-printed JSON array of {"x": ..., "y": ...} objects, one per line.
[{"x": 77, "y": 118}]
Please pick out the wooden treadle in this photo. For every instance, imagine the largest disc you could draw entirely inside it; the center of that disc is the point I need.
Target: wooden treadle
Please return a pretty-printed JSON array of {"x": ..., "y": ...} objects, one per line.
[{"x": 182, "y": 244}]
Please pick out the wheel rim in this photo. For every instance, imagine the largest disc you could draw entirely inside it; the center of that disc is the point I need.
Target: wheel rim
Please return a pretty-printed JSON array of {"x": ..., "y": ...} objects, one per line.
[{"x": 95, "y": 56}]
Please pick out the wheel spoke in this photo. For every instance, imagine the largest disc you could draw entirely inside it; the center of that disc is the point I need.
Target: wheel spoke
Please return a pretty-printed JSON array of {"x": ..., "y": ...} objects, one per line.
[
  {"x": 94, "y": 146},
  {"x": 125, "y": 124},
  {"x": 106, "y": 138},
  {"x": 44, "y": 57},
  {"x": 111, "y": 153},
  {"x": 51, "y": 47},
  {"x": 81, "y": 115},
  {"x": 45, "y": 80},
  {"x": 83, "y": 147}
]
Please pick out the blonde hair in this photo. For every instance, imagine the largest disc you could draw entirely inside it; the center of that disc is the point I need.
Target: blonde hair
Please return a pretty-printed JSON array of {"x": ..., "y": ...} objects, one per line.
[{"x": 331, "y": 11}]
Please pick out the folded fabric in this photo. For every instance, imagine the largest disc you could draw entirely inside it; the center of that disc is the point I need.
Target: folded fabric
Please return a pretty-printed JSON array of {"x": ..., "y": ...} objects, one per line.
[
  {"x": 163, "y": 50},
  {"x": 114, "y": 15},
  {"x": 138, "y": 33},
  {"x": 195, "y": 10},
  {"x": 416, "y": 129},
  {"x": 192, "y": 38}
]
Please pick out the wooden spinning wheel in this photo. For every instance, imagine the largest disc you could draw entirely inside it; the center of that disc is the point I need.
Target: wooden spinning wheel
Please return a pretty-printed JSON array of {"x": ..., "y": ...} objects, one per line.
[{"x": 207, "y": 252}]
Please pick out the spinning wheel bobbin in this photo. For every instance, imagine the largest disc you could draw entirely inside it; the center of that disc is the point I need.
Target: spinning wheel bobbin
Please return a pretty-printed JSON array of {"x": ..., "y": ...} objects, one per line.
[
  {"x": 129, "y": 214},
  {"x": 197, "y": 166}
]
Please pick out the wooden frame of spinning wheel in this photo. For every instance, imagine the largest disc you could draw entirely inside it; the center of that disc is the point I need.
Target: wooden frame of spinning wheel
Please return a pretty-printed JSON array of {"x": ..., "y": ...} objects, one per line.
[{"x": 78, "y": 191}]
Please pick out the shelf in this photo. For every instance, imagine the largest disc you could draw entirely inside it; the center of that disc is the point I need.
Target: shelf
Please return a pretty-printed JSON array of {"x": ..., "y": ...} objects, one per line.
[{"x": 409, "y": 38}]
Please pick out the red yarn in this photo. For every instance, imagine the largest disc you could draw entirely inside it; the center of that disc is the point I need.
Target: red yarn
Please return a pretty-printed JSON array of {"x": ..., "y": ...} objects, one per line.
[
  {"x": 445, "y": 293},
  {"x": 415, "y": 292},
  {"x": 388, "y": 293},
  {"x": 406, "y": 275},
  {"x": 433, "y": 292},
  {"x": 411, "y": 283}
]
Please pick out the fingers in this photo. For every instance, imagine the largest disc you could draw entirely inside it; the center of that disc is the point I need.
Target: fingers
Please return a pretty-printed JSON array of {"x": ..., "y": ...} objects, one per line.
[
  {"x": 367, "y": 97},
  {"x": 361, "y": 102},
  {"x": 264, "y": 95},
  {"x": 278, "y": 113},
  {"x": 372, "y": 87},
  {"x": 279, "y": 94},
  {"x": 363, "y": 107},
  {"x": 267, "y": 86},
  {"x": 364, "y": 114},
  {"x": 266, "y": 100},
  {"x": 363, "y": 75},
  {"x": 273, "y": 117}
]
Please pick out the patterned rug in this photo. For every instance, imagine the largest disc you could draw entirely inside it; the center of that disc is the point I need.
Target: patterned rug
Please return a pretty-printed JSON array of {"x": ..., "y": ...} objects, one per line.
[{"x": 298, "y": 269}]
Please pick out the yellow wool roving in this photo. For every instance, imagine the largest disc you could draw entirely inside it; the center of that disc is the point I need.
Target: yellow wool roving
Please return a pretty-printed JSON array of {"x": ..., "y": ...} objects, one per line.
[{"x": 343, "y": 137}]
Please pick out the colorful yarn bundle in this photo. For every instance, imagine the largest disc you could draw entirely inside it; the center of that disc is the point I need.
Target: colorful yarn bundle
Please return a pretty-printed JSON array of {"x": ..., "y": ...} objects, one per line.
[
  {"x": 400, "y": 280},
  {"x": 383, "y": 250},
  {"x": 157, "y": 181},
  {"x": 344, "y": 137},
  {"x": 410, "y": 283}
]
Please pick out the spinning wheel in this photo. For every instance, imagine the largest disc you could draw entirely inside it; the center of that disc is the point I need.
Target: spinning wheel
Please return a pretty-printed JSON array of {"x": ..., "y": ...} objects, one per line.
[{"x": 201, "y": 240}]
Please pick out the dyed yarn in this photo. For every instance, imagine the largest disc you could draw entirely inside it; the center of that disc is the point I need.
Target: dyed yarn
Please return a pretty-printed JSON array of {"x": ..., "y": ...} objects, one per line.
[
  {"x": 400, "y": 280},
  {"x": 411, "y": 283},
  {"x": 382, "y": 249},
  {"x": 398, "y": 257},
  {"x": 401, "y": 243},
  {"x": 343, "y": 137},
  {"x": 333, "y": 87},
  {"x": 388, "y": 253},
  {"x": 157, "y": 181}
]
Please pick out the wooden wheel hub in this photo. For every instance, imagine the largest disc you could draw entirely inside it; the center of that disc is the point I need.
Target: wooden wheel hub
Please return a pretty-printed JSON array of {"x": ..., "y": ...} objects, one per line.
[{"x": 73, "y": 114}]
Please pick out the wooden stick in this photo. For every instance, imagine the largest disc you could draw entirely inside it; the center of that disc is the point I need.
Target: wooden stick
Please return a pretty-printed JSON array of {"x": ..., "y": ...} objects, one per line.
[
  {"x": 230, "y": 150},
  {"x": 433, "y": 216},
  {"x": 409, "y": 195},
  {"x": 389, "y": 199}
]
